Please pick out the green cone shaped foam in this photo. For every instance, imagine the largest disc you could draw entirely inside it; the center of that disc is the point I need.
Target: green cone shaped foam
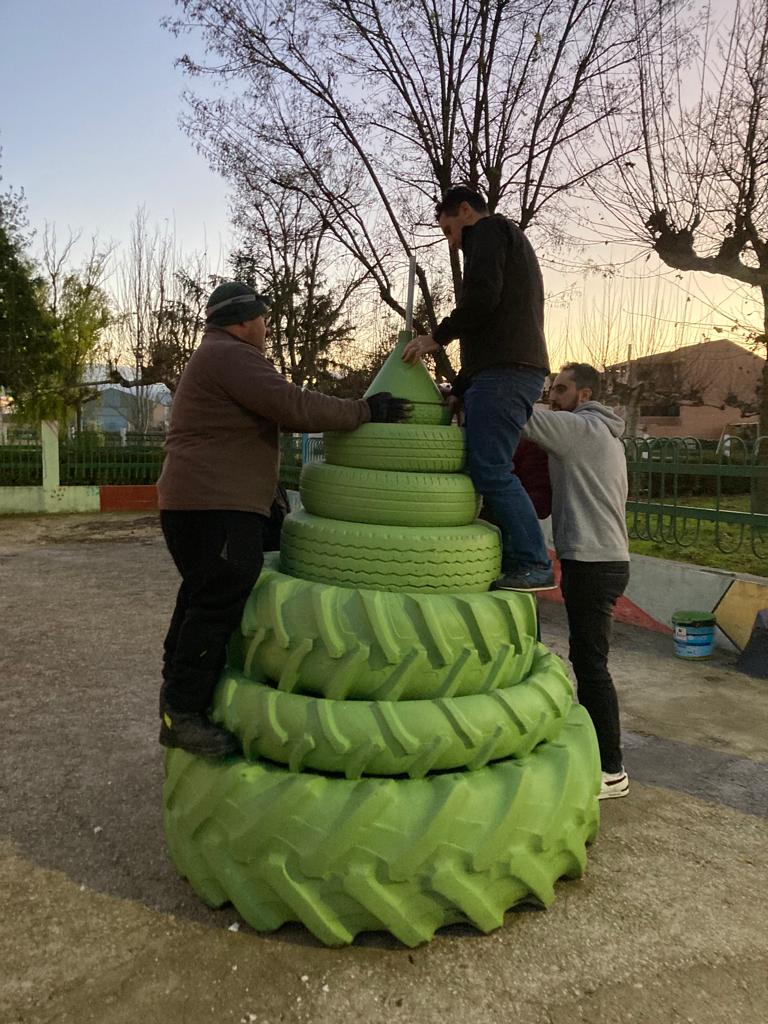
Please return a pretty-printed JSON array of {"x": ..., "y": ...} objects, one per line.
[{"x": 411, "y": 382}]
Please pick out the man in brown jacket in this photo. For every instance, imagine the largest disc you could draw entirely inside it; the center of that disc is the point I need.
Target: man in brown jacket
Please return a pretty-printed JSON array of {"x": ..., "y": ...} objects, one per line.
[{"x": 215, "y": 493}]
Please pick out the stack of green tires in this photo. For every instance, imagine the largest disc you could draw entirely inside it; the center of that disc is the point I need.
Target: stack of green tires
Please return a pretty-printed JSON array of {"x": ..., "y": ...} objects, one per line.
[{"x": 412, "y": 756}]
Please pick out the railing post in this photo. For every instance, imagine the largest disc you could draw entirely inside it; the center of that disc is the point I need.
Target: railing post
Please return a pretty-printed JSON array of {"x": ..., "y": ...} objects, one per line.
[{"x": 49, "y": 433}]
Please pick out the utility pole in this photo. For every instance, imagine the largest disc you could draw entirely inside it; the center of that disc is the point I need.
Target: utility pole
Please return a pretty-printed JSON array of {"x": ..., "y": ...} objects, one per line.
[{"x": 633, "y": 396}]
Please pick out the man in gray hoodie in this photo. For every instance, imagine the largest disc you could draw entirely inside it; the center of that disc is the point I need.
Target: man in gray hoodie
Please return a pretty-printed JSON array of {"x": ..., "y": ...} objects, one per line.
[{"x": 588, "y": 472}]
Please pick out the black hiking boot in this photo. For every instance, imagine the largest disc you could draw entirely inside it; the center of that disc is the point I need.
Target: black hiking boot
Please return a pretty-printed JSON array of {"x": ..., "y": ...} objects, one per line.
[{"x": 194, "y": 732}]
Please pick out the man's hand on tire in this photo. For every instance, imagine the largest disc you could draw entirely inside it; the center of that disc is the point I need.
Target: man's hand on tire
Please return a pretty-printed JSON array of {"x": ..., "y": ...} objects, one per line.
[{"x": 386, "y": 409}]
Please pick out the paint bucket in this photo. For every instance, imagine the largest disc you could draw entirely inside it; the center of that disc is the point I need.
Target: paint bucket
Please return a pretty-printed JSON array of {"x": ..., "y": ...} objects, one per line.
[{"x": 694, "y": 634}]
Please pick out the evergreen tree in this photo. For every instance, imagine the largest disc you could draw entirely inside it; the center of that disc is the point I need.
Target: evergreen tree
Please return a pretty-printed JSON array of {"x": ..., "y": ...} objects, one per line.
[{"x": 27, "y": 337}]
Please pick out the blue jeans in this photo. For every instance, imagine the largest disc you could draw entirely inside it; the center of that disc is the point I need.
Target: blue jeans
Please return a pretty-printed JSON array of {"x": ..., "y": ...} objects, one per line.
[{"x": 497, "y": 405}]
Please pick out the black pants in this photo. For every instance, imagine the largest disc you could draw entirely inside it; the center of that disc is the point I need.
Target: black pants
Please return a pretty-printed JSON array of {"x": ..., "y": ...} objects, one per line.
[
  {"x": 219, "y": 555},
  {"x": 590, "y": 590}
]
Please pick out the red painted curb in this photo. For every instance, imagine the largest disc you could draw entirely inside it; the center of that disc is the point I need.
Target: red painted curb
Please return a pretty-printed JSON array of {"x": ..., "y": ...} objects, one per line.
[{"x": 128, "y": 498}]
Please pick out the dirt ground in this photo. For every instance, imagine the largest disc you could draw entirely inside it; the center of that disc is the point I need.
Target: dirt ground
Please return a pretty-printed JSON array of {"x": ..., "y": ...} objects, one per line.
[{"x": 669, "y": 924}]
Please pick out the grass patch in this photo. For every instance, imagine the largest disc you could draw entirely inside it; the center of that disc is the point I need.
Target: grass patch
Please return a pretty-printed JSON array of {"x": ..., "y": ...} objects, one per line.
[{"x": 718, "y": 545}]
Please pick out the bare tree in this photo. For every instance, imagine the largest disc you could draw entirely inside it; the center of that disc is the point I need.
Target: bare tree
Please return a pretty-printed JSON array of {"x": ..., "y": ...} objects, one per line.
[
  {"x": 632, "y": 319},
  {"x": 374, "y": 109},
  {"x": 161, "y": 296},
  {"x": 284, "y": 253},
  {"x": 55, "y": 260},
  {"x": 696, "y": 189}
]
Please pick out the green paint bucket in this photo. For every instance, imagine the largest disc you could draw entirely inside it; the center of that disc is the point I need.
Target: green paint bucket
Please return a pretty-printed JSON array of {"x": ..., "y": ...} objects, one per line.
[{"x": 694, "y": 634}]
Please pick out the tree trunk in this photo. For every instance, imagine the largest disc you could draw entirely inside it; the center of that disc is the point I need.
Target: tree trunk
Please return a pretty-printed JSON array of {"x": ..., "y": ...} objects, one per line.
[
  {"x": 761, "y": 489},
  {"x": 633, "y": 408}
]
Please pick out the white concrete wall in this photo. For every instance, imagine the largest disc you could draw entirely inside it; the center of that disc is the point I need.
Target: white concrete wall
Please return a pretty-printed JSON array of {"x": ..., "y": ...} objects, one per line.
[
  {"x": 661, "y": 587},
  {"x": 20, "y": 500}
]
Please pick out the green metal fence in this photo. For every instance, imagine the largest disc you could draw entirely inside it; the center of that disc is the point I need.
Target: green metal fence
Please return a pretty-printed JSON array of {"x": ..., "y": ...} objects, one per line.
[
  {"x": 21, "y": 460},
  {"x": 295, "y": 450},
  {"x": 92, "y": 459},
  {"x": 682, "y": 491},
  {"x": 290, "y": 460},
  {"x": 686, "y": 492}
]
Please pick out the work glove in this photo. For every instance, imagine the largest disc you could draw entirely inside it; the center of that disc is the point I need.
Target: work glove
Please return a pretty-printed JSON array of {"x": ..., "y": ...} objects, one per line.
[{"x": 386, "y": 409}]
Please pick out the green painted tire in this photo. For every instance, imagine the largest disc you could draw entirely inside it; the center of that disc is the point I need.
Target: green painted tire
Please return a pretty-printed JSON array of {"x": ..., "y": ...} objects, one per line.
[
  {"x": 409, "y": 737},
  {"x": 388, "y": 499},
  {"x": 398, "y": 447},
  {"x": 428, "y": 413},
  {"x": 343, "y": 643},
  {"x": 434, "y": 559},
  {"x": 403, "y": 855}
]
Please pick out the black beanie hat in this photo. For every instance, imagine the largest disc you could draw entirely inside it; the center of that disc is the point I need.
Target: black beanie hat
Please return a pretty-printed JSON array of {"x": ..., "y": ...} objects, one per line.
[{"x": 234, "y": 303}]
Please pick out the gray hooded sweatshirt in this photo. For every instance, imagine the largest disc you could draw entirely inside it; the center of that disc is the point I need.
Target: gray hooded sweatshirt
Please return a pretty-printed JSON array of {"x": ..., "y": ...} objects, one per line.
[{"x": 588, "y": 471}]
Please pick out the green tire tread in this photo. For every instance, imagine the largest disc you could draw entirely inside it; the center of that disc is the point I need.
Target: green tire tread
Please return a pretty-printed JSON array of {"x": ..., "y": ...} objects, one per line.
[
  {"x": 388, "y": 498},
  {"x": 410, "y": 737},
  {"x": 343, "y": 643},
  {"x": 402, "y": 855},
  {"x": 428, "y": 413},
  {"x": 439, "y": 559},
  {"x": 398, "y": 447}
]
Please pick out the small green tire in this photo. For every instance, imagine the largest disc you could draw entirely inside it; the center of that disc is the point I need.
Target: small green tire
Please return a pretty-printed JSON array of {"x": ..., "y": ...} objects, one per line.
[
  {"x": 398, "y": 447},
  {"x": 403, "y": 737},
  {"x": 386, "y": 498},
  {"x": 428, "y": 413},
  {"x": 407, "y": 856},
  {"x": 346, "y": 643},
  {"x": 459, "y": 559}
]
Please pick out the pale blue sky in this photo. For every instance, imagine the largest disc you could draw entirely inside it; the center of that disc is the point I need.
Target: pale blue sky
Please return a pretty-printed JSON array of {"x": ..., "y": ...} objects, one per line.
[{"x": 89, "y": 106}]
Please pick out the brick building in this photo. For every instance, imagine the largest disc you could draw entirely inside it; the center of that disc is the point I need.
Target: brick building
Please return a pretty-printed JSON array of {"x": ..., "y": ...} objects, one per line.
[{"x": 695, "y": 391}]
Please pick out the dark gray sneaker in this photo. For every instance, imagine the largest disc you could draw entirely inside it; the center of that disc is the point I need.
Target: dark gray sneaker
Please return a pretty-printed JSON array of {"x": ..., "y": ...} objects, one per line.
[
  {"x": 195, "y": 733},
  {"x": 528, "y": 581}
]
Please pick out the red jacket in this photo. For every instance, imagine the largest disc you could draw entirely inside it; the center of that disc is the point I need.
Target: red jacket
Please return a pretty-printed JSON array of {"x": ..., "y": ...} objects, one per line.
[{"x": 532, "y": 469}]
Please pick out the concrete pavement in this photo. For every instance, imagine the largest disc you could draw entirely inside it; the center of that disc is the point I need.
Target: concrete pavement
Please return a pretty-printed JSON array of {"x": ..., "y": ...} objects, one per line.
[{"x": 668, "y": 925}]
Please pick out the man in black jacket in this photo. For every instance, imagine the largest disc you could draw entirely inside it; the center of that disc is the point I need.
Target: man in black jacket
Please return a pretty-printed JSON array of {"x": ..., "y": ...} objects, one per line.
[{"x": 499, "y": 320}]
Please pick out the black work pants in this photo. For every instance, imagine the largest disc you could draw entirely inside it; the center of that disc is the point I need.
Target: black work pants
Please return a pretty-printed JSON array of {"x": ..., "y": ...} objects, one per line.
[
  {"x": 590, "y": 591},
  {"x": 219, "y": 555}
]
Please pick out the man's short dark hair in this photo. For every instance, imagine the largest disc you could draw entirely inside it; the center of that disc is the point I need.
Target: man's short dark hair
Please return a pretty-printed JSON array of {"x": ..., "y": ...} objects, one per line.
[
  {"x": 457, "y": 195},
  {"x": 584, "y": 376}
]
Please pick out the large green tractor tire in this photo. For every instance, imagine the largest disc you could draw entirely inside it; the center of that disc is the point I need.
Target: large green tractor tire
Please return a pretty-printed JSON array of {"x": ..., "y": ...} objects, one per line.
[
  {"x": 387, "y": 498},
  {"x": 460, "y": 559},
  {"x": 404, "y": 855},
  {"x": 407, "y": 737},
  {"x": 398, "y": 447},
  {"x": 339, "y": 642}
]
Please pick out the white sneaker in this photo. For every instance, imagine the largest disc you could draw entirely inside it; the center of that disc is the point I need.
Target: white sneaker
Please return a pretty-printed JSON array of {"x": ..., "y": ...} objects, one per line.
[{"x": 614, "y": 784}]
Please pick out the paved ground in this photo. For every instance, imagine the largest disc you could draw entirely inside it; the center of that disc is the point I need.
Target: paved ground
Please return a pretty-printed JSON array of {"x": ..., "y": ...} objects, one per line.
[{"x": 669, "y": 925}]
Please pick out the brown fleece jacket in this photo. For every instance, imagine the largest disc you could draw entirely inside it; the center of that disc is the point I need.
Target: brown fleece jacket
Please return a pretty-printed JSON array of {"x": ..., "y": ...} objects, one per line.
[{"x": 222, "y": 450}]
